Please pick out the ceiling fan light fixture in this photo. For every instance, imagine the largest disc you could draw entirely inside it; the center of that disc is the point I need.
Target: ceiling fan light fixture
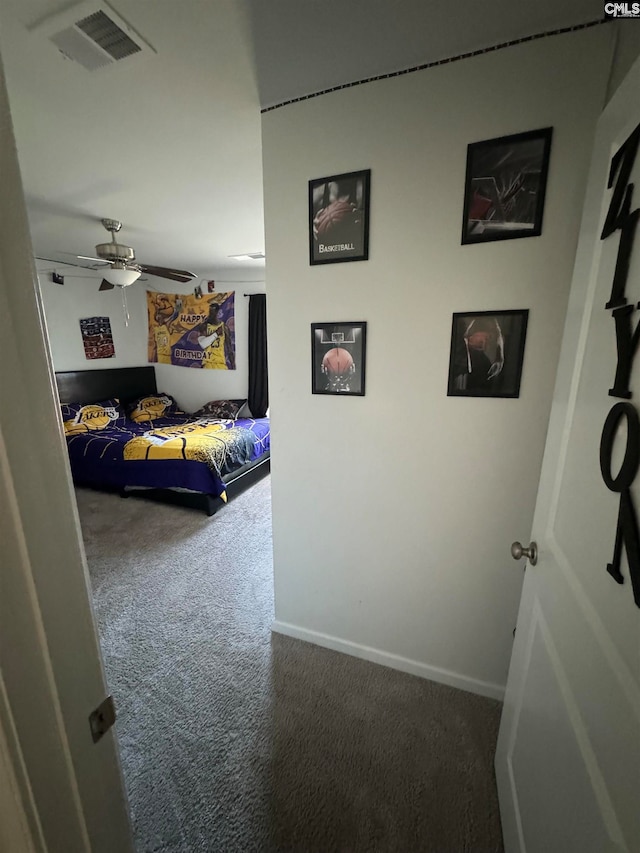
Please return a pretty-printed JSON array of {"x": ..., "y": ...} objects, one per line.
[
  {"x": 121, "y": 276},
  {"x": 124, "y": 269}
]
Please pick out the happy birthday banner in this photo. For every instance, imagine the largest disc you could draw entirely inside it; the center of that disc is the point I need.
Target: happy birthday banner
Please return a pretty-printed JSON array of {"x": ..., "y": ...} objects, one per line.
[{"x": 192, "y": 332}]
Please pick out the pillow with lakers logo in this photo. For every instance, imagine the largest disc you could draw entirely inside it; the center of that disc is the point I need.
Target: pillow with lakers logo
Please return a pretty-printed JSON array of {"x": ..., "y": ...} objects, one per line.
[
  {"x": 87, "y": 417},
  {"x": 151, "y": 407}
]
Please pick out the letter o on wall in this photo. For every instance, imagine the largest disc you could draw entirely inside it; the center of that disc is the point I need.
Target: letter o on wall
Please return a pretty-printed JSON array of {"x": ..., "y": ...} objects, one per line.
[{"x": 629, "y": 467}]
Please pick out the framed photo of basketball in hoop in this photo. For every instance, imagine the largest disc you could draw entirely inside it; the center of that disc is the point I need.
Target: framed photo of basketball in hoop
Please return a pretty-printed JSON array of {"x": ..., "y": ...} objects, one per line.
[
  {"x": 338, "y": 358},
  {"x": 487, "y": 351},
  {"x": 339, "y": 218},
  {"x": 505, "y": 187}
]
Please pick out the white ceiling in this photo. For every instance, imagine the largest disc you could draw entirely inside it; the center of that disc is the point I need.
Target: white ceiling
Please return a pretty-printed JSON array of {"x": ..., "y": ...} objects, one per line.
[{"x": 169, "y": 143}]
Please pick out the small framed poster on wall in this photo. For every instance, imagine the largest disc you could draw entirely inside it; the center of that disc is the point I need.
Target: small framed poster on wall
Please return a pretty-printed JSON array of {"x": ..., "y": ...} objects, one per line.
[
  {"x": 487, "y": 351},
  {"x": 97, "y": 338},
  {"x": 338, "y": 358},
  {"x": 505, "y": 187},
  {"x": 339, "y": 218}
]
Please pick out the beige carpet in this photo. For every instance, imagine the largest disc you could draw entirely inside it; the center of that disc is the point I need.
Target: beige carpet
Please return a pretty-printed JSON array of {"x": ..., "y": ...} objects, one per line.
[{"x": 233, "y": 740}]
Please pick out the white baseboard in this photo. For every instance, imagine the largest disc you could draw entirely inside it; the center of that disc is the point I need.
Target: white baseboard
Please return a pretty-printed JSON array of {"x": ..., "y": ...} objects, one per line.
[{"x": 413, "y": 667}]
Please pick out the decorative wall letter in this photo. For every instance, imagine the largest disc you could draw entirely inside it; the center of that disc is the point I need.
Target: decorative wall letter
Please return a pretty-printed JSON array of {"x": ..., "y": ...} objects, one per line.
[
  {"x": 621, "y": 164},
  {"x": 627, "y": 344},
  {"x": 620, "y": 217}
]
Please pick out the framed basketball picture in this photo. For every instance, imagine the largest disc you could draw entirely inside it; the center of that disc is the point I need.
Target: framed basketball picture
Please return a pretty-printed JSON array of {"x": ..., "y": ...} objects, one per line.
[
  {"x": 505, "y": 187},
  {"x": 338, "y": 358},
  {"x": 339, "y": 218},
  {"x": 487, "y": 351}
]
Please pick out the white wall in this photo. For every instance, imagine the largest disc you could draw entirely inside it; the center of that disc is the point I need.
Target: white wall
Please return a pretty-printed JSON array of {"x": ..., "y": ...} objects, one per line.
[
  {"x": 393, "y": 513},
  {"x": 626, "y": 53},
  {"x": 80, "y": 297}
]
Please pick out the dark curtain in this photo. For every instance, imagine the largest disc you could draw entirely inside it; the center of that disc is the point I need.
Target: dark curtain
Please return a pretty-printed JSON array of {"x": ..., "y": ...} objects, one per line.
[{"x": 258, "y": 373}]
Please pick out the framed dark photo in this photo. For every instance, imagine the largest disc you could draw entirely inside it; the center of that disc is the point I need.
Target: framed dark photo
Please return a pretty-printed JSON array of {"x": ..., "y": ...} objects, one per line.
[
  {"x": 505, "y": 187},
  {"x": 487, "y": 350},
  {"x": 339, "y": 218},
  {"x": 338, "y": 353}
]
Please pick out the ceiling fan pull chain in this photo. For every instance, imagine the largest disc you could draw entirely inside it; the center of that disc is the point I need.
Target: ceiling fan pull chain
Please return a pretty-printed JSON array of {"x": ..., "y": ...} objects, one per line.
[{"x": 125, "y": 307}]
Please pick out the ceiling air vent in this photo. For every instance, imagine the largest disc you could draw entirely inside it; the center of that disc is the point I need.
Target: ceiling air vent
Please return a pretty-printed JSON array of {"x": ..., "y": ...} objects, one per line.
[{"x": 92, "y": 34}]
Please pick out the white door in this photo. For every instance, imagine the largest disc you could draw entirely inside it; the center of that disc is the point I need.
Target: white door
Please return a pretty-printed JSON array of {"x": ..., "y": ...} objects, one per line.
[
  {"x": 68, "y": 789},
  {"x": 568, "y": 757}
]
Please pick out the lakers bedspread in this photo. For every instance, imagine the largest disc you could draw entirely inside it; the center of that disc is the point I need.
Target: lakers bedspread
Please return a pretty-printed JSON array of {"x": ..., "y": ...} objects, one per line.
[{"x": 167, "y": 453}]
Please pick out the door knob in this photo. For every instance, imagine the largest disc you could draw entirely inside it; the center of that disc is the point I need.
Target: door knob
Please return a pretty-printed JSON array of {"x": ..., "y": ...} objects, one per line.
[{"x": 518, "y": 551}]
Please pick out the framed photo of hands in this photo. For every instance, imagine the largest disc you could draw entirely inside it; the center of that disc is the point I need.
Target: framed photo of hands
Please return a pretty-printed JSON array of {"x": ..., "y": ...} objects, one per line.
[
  {"x": 339, "y": 218},
  {"x": 487, "y": 351},
  {"x": 505, "y": 187}
]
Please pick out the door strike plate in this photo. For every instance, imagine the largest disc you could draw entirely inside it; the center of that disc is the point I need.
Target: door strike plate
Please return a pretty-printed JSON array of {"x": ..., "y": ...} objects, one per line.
[{"x": 102, "y": 718}]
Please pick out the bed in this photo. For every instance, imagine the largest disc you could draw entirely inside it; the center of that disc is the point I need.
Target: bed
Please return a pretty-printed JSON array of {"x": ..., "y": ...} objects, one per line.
[{"x": 171, "y": 456}]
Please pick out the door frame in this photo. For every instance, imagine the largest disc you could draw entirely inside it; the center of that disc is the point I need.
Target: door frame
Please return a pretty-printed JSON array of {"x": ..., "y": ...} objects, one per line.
[{"x": 71, "y": 790}]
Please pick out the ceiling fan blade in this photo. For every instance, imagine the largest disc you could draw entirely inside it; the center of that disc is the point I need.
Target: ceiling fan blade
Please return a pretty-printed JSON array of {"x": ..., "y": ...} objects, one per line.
[
  {"x": 88, "y": 258},
  {"x": 166, "y": 272},
  {"x": 106, "y": 285}
]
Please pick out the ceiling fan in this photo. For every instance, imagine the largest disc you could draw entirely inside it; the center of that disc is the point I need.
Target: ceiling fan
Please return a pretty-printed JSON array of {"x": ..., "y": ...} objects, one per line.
[{"x": 124, "y": 269}]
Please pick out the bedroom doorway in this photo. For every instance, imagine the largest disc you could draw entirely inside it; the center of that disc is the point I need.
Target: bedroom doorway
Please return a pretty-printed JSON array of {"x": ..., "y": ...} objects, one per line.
[
  {"x": 176, "y": 592},
  {"x": 179, "y": 579}
]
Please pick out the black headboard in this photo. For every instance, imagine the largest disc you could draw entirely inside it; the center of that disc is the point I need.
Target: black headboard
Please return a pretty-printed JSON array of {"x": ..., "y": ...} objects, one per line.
[{"x": 91, "y": 386}]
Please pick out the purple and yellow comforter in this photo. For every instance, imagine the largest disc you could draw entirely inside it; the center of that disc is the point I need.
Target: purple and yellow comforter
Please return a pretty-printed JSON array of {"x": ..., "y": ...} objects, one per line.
[{"x": 167, "y": 453}]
